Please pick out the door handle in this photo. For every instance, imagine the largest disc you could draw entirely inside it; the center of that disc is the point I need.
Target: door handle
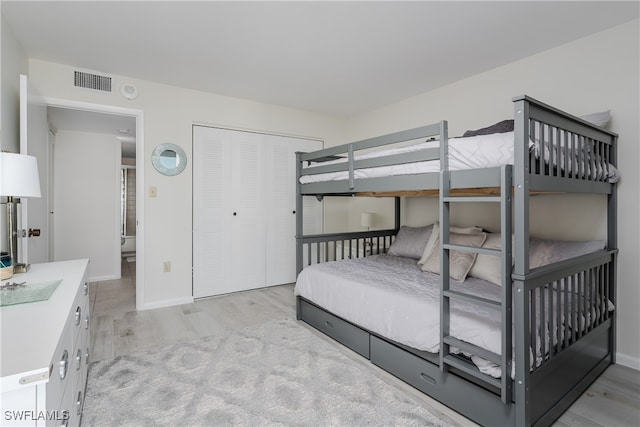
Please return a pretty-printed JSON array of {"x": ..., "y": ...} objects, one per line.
[{"x": 34, "y": 232}]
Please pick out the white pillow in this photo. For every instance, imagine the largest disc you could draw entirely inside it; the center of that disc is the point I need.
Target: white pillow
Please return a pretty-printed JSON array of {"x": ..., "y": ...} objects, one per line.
[
  {"x": 487, "y": 267},
  {"x": 435, "y": 234},
  {"x": 459, "y": 262}
]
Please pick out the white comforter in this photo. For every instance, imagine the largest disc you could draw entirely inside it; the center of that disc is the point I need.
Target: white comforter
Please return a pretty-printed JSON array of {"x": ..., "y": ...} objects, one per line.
[
  {"x": 464, "y": 153},
  {"x": 391, "y": 296},
  {"x": 476, "y": 152}
]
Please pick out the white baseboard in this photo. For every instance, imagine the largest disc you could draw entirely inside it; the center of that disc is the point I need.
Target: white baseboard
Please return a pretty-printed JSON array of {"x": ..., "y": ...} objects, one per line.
[
  {"x": 95, "y": 279},
  {"x": 628, "y": 361},
  {"x": 165, "y": 303}
]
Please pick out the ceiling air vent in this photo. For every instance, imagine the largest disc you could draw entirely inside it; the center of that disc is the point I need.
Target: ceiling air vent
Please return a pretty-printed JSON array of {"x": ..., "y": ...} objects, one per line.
[{"x": 91, "y": 81}]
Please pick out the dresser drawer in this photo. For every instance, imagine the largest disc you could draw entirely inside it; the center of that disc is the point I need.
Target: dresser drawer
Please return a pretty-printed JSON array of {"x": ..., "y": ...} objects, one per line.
[
  {"x": 61, "y": 370},
  {"x": 79, "y": 315}
]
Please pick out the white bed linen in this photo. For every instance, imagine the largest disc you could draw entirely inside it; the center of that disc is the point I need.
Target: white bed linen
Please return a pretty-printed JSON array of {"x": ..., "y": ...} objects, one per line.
[
  {"x": 475, "y": 152},
  {"x": 391, "y": 296}
]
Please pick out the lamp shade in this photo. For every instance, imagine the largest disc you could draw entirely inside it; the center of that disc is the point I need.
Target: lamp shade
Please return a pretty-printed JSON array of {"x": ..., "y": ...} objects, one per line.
[
  {"x": 366, "y": 219},
  {"x": 19, "y": 175}
]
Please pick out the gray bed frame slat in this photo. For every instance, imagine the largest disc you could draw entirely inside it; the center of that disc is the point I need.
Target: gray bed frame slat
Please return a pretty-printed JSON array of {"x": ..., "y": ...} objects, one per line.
[{"x": 570, "y": 155}]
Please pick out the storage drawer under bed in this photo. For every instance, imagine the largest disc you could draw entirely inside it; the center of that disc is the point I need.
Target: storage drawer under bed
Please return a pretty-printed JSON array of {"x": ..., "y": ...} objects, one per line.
[
  {"x": 463, "y": 396},
  {"x": 338, "y": 329}
]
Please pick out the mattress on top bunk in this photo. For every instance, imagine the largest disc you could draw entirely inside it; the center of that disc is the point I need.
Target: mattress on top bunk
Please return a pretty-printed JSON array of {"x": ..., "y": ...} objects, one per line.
[
  {"x": 391, "y": 296},
  {"x": 474, "y": 152}
]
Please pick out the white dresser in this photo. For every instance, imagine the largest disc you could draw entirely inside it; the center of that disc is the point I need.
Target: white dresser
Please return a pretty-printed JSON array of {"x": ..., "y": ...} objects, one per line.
[{"x": 45, "y": 350}]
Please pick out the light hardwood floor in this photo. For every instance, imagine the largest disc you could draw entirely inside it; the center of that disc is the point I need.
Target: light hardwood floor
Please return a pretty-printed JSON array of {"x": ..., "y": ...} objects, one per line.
[{"x": 118, "y": 329}]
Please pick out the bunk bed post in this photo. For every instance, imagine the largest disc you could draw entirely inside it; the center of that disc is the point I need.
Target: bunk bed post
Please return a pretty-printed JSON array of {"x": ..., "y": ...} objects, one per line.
[
  {"x": 397, "y": 214},
  {"x": 299, "y": 217},
  {"x": 521, "y": 267},
  {"x": 445, "y": 184},
  {"x": 612, "y": 243},
  {"x": 506, "y": 230}
]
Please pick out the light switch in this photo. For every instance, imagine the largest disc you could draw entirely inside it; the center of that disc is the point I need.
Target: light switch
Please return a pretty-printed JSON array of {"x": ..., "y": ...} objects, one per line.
[{"x": 153, "y": 191}]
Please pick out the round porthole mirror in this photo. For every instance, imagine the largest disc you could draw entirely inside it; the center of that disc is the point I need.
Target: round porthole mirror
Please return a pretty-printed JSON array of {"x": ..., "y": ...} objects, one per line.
[{"x": 169, "y": 159}]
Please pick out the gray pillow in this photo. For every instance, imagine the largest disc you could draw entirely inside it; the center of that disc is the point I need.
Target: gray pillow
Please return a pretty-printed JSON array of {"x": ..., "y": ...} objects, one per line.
[
  {"x": 543, "y": 252},
  {"x": 410, "y": 241},
  {"x": 500, "y": 127}
]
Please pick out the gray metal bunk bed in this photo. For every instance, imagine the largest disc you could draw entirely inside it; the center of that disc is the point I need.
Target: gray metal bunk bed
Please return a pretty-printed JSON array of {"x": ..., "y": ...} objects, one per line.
[{"x": 569, "y": 155}]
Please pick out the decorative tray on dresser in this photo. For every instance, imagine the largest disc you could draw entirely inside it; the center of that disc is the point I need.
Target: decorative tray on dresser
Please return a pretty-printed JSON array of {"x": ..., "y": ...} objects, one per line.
[{"x": 44, "y": 350}]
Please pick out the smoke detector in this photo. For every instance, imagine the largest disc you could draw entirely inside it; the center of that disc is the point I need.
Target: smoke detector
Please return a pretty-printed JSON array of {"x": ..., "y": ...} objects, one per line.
[{"x": 129, "y": 91}]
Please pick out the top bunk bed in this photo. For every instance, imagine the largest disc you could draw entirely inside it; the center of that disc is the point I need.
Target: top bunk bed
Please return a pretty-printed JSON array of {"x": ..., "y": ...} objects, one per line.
[{"x": 550, "y": 150}]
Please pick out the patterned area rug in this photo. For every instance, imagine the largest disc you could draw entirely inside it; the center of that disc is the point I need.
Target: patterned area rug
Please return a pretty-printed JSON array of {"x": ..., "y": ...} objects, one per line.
[{"x": 278, "y": 373}]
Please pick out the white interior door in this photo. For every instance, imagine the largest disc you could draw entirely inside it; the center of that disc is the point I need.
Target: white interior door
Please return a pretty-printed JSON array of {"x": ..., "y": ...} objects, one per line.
[
  {"x": 281, "y": 204},
  {"x": 33, "y": 213},
  {"x": 211, "y": 195},
  {"x": 228, "y": 211}
]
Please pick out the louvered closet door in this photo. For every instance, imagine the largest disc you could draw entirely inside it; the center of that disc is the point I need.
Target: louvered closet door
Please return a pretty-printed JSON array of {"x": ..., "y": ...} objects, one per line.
[
  {"x": 228, "y": 211},
  {"x": 281, "y": 204}
]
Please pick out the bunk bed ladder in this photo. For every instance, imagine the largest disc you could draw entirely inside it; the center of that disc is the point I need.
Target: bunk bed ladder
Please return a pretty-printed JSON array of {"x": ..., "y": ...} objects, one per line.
[{"x": 504, "y": 360}]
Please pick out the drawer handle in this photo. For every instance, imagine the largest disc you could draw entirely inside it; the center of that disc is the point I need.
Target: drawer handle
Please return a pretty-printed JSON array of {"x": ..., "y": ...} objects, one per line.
[
  {"x": 86, "y": 321},
  {"x": 329, "y": 324},
  {"x": 85, "y": 288},
  {"x": 78, "y": 315},
  {"x": 428, "y": 378},
  {"x": 78, "y": 359},
  {"x": 86, "y": 356},
  {"x": 64, "y": 362},
  {"x": 79, "y": 403}
]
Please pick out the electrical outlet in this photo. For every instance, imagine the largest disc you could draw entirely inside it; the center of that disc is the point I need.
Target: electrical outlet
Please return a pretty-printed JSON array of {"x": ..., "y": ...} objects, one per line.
[
  {"x": 153, "y": 191},
  {"x": 166, "y": 266}
]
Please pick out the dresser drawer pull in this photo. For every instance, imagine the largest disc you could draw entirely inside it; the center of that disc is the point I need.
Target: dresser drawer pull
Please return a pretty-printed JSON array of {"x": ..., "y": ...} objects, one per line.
[
  {"x": 64, "y": 362},
  {"x": 78, "y": 315},
  {"x": 65, "y": 422},
  {"x": 79, "y": 403},
  {"x": 85, "y": 288},
  {"x": 78, "y": 359},
  {"x": 86, "y": 321},
  {"x": 86, "y": 356}
]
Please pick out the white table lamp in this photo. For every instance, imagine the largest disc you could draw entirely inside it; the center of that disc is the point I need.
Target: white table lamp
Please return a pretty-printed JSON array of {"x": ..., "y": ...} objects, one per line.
[
  {"x": 366, "y": 219},
  {"x": 18, "y": 179}
]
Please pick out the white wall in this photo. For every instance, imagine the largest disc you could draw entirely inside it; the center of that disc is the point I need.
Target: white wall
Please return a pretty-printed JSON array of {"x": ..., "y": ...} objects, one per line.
[
  {"x": 14, "y": 62},
  {"x": 592, "y": 74},
  {"x": 169, "y": 113},
  {"x": 86, "y": 219}
]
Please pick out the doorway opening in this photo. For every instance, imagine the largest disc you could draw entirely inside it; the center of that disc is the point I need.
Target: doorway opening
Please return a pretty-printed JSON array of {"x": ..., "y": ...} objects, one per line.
[{"x": 119, "y": 130}]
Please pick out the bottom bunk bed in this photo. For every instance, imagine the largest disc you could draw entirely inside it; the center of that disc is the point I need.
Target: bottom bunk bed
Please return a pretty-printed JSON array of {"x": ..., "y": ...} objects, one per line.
[{"x": 387, "y": 308}]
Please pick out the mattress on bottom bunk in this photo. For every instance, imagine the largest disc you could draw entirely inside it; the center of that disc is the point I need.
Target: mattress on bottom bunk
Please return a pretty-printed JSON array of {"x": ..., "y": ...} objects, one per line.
[
  {"x": 391, "y": 296},
  {"x": 394, "y": 298}
]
